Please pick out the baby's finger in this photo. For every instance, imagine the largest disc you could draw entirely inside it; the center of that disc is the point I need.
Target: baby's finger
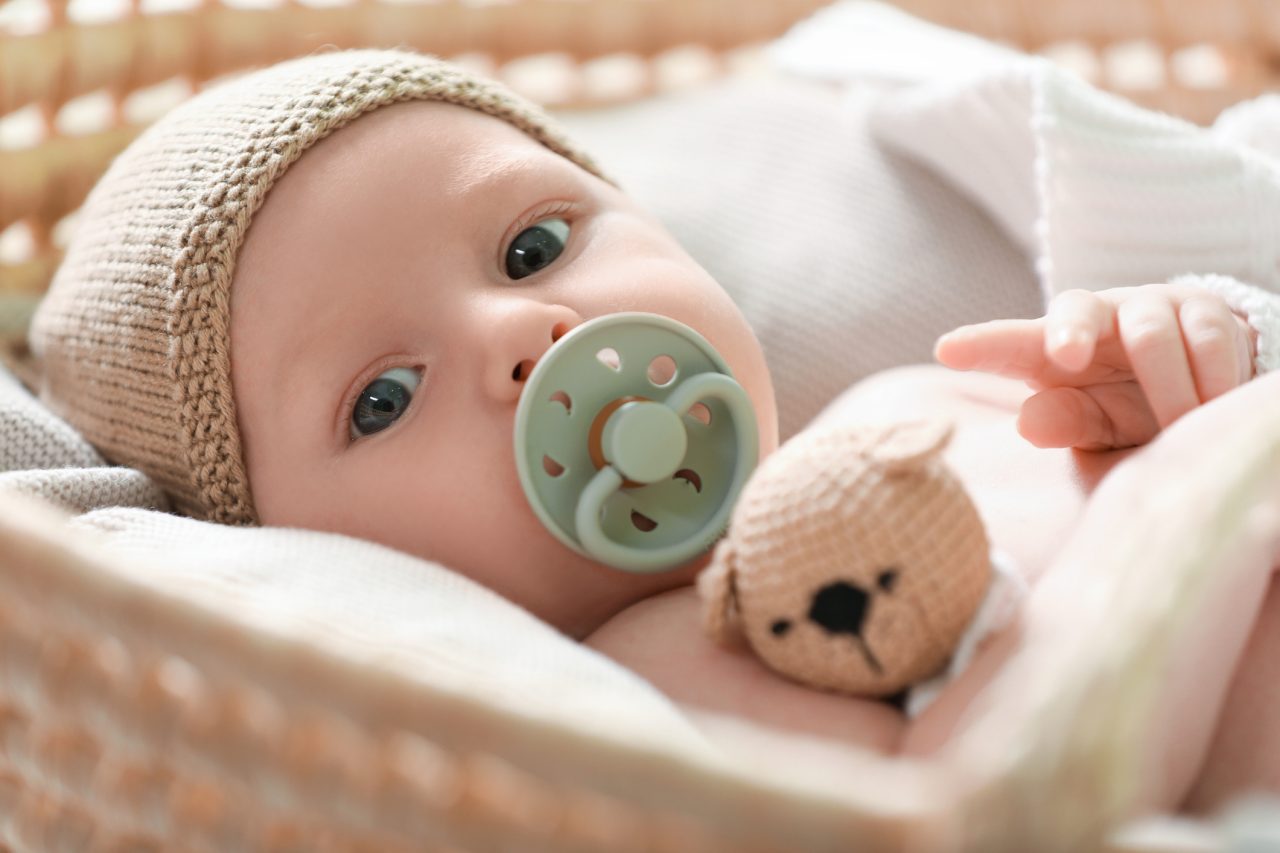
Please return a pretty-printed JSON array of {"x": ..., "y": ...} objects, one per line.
[
  {"x": 1073, "y": 324},
  {"x": 1099, "y": 417},
  {"x": 1211, "y": 336},
  {"x": 1152, "y": 341},
  {"x": 1064, "y": 417},
  {"x": 1247, "y": 348},
  {"x": 1007, "y": 347}
]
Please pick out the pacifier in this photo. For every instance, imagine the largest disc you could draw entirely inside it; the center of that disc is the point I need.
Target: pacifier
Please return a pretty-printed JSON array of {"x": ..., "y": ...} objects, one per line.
[{"x": 633, "y": 441}]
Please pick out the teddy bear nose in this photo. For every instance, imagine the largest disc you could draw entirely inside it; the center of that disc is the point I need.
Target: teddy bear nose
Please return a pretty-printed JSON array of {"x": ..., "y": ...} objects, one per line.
[{"x": 840, "y": 608}]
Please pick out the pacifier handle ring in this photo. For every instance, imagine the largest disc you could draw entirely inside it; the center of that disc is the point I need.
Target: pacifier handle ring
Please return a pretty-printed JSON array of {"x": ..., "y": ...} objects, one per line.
[{"x": 608, "y": 480}]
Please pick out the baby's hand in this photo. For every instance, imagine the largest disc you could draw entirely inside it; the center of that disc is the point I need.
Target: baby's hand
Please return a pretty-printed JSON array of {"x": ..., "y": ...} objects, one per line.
[{"x": 1112, "y": 367}]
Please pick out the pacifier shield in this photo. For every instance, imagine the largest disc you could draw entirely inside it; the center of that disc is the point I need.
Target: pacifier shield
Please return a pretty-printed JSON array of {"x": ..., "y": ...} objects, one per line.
[{"x": 632, "y": 441}]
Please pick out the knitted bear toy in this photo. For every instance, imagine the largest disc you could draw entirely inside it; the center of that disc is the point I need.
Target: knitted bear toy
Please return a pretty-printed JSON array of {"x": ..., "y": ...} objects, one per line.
[{"x": 855, "y": 561}]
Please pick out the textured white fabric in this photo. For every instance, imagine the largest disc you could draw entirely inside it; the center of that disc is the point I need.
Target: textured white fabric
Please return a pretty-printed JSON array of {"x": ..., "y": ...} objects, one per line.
[
  {"x": 1254, "y": 124},
  {"x": 1101, "y": 192},
  {"x": 1121, "y": 196},
  {"x": 42, "y": 456},
  {"x": 78, "y": 490},
  {"x": 820, "y": 46},
  {"x": 33, "y": 437},
  {"x": 1261, "y": 307},
  {"x": 389, "y": 610}
]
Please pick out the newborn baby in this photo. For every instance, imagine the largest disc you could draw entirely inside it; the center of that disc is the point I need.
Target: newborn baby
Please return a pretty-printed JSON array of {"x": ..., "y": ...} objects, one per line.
[{"x": 290, "y": 317}]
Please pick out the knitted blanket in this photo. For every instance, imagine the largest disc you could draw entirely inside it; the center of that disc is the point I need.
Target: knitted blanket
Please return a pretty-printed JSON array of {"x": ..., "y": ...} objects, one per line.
[
  {"x": 42, "y": 456},
  {"x": 389, "y": 611}
]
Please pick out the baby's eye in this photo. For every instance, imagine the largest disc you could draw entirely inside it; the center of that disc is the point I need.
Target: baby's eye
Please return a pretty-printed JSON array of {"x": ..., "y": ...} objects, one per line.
[
  {"x": 536, "y": 247},
  {"x": 383, "y": 401}
]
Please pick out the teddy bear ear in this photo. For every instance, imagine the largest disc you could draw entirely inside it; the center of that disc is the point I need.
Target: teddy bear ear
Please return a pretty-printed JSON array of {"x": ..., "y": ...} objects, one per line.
[
  {"x": 719, "y": 597},
  {"x": 908, "y": 445}
]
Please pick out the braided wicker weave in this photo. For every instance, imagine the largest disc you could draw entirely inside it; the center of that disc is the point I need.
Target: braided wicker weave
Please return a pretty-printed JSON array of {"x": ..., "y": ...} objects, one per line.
[{"x": 129, "y": 718}]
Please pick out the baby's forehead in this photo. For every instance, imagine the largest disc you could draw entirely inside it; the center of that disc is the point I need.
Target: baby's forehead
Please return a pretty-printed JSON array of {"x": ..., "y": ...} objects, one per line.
[
  {"x": 398, "y": 196},
  {"x": 450, "y": 146},
  {"x": 388, "y": 184}
]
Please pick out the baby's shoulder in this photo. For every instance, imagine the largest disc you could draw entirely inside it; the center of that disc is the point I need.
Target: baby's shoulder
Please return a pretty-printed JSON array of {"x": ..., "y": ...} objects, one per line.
[{"x": 660, "y": 631}]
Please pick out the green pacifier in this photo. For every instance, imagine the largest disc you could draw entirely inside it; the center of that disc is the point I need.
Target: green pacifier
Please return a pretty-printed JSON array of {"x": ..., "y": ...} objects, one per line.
[{"x": 633, "y": 441}]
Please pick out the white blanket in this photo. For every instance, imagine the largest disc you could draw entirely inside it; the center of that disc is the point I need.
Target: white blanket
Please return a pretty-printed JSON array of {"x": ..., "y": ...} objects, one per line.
[{"x": 363, "y": 602}]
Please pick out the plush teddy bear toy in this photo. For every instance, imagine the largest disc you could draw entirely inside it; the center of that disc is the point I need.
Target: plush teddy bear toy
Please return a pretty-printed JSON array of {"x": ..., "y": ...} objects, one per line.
[{"x": 855, "y": 561}]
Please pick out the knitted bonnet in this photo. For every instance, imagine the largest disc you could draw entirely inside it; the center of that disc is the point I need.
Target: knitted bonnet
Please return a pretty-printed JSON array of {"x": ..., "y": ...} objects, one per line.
[{"x": 133, "y": 336}]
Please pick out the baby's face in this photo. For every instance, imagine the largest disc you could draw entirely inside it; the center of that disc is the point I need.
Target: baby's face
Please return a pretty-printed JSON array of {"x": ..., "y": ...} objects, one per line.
[{"x": 393, "y": 293}]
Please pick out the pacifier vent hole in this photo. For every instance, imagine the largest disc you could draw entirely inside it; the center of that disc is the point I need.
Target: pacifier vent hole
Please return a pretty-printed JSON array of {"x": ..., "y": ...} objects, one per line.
[
  {"x": 700, "y": 413},
  {"x": 563, "y": 399},
  {"x": 690, "y": 476},
  {"x": 662, "y": 370},
  {"x": 642, "y": 522},
  {"x": 551, "y": 466},
  {"x": 609, "y": 358}
]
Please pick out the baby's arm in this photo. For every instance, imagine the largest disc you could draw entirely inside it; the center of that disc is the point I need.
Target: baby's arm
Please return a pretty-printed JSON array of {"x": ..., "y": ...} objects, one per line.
[{"x": 1114, "y": 367}]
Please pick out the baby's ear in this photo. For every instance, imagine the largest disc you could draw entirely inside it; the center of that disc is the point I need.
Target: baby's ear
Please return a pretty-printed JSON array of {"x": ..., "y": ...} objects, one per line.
[
  {"x": 719, "y": 596},
  {"x": 909, "y": 445}
]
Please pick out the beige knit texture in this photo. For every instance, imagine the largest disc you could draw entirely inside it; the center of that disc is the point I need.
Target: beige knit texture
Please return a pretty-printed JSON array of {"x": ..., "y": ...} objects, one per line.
[
  {"x": 842, "y": 505},
  {"x": 134, "y": 332}
]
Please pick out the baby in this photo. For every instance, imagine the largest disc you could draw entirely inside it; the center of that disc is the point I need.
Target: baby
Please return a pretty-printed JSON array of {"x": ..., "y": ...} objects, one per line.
[{"x": 338, "y": 341}]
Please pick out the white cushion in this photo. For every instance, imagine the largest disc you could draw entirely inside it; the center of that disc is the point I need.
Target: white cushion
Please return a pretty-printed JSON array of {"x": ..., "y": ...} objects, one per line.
[{"x": 845, "y": 259}]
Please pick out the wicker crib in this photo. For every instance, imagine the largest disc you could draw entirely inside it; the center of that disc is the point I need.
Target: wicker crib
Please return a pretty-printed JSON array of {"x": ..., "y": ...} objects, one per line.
[{"x": 76, "y": 85}]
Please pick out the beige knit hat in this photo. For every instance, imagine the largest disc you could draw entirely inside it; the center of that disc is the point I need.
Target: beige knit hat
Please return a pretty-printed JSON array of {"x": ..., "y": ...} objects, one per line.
[{"x": 133, "y": 335}]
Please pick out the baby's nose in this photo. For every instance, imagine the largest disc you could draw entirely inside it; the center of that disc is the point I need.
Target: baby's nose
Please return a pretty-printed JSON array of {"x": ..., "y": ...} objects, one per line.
[{"x": 517, "y": 340}]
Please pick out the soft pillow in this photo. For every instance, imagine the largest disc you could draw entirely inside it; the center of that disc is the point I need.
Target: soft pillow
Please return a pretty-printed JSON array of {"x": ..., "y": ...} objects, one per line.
[
  {"x": 386, "y": 610},
  {"x": 846, "y": 259},
  {"x": 33, "y": 437},
  {"x": 41, "y": 455}
]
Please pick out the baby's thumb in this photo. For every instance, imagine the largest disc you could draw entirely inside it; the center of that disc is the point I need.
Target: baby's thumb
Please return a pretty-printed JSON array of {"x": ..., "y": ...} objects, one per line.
[
  {"x": 716, "y": 587},
  {"x": 1099, "y": 417}
]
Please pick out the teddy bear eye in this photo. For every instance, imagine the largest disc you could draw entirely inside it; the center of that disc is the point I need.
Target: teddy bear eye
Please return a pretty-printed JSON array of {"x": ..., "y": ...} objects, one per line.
[
  {"x": 780, "y": 627},
  {"x": 887, "y": 579}
]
